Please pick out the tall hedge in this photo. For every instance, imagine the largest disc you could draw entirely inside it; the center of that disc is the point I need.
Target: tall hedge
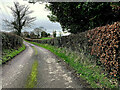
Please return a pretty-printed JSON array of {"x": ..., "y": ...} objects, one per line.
[
  {"x": 106, "y": 45},
  {"x": 11, "y": 41}
]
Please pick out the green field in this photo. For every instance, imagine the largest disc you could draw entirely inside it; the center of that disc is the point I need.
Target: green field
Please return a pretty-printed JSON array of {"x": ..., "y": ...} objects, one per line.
[
  {"x": 45, "y": 38},
  {"x": 88, "y": 71}
]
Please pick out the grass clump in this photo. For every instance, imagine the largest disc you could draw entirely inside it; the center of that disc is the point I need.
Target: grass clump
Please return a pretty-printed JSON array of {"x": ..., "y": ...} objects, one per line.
[
  {"x": 87, "y": 70},
  {"x": 8, "y": 54},
  {"x": 32, "y": 79}
]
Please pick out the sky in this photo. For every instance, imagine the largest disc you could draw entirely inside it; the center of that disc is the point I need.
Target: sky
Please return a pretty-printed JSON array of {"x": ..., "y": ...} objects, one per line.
[{"x": 39, "y": 12}]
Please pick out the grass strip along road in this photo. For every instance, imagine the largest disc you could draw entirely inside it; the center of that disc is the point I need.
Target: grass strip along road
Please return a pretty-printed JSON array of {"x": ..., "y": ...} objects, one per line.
[
  {"x": 88, "y": 71},
  {"x": 32, "y": 78},
  {"x": 9, "y": 54}
]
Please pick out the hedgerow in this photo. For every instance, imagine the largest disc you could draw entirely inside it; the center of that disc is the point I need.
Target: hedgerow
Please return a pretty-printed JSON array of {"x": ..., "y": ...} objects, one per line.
[
  {"x": 11, "y": 41},
  {"x": 11, "y": 46},
  {"x": 106, "y": 45}
]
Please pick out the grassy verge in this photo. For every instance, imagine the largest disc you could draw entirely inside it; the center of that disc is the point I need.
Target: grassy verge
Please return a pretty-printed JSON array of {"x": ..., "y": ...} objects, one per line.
[
  {"x": 9, "y": 54},
  {"x": 82, "y": 64},
  {"x": 32, "y": 79}
]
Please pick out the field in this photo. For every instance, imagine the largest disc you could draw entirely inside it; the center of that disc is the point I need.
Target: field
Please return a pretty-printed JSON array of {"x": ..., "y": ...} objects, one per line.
[{"x": 45, "y": 38}]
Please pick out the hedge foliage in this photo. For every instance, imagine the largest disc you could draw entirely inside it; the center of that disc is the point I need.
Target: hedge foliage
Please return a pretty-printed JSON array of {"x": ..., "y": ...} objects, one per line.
[
  {"x": 106, "y": 45},
  {"x": 11, "y": 41}
]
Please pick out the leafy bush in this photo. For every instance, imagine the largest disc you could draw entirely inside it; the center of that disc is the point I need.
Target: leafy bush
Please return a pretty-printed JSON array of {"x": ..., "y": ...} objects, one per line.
[{"x": 106, "y": 45}]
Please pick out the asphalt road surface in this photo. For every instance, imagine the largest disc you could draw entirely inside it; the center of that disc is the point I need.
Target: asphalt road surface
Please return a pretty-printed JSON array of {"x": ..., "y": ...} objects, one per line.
[{"x": 51, "y": 73}]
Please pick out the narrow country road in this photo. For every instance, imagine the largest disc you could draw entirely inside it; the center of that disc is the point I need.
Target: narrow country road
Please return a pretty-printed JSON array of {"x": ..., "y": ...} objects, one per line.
[{"x": 51, "y": 73}]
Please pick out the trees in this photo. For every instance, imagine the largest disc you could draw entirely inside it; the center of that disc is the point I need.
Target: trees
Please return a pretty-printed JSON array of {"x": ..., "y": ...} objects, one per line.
[
  {"x": 48, "y": 34},
  {"x": 60, "y": 34},
  {"x": 21, "y": 18},
  {"x": 80, "y": 16},
  {"x": 38, "y": 31},
  {"x": 32, "y": 35},
  {"x": 54, "y": 33},
  {"x": 44, "y": 34},
  {"x": 26, "y": 34}
]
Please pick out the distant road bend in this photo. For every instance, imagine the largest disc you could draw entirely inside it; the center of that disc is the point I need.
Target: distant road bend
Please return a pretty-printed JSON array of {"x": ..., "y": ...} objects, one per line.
[{"x": 51, "y": 74}]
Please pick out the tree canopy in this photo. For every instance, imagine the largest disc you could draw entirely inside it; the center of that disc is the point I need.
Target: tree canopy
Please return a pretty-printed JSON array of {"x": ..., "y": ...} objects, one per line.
[
  {"x": 44, "y": 34},
  {"x": 77, "y": 17},
  {"x": 38, "y": 31}
]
